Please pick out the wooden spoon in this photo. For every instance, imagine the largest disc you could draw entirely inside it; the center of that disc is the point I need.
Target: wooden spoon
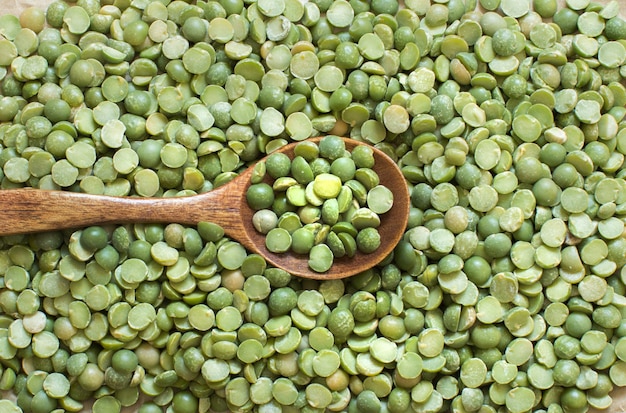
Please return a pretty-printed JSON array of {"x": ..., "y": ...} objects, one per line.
[{"x": 32, "y": 210}]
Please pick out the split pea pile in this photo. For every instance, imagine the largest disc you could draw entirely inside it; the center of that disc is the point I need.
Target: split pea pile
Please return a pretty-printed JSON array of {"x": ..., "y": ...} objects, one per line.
[
  {"x": 326, "y": 202},
  {"x": 507, "y": 292}
]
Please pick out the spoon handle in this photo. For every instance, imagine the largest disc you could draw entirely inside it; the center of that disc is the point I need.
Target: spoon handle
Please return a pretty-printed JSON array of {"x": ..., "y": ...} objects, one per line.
[{"x": 32, "y": 210}]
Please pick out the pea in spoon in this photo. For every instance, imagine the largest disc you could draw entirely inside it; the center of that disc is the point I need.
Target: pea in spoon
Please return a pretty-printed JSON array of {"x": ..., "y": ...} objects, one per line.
[{"x": 32, "y": 210}]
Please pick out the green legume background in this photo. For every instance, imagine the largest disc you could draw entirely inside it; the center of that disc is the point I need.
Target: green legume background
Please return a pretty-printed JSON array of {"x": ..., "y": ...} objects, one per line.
[{"x": 189, "y": 325}]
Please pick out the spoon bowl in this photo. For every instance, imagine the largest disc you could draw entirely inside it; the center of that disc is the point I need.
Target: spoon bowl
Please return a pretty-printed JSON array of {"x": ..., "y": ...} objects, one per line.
[{"x": 31, "y": 210}]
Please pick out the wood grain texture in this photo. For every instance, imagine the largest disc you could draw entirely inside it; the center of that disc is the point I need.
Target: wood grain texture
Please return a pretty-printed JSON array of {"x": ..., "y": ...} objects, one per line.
[{"x": 31, "y": 210}]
